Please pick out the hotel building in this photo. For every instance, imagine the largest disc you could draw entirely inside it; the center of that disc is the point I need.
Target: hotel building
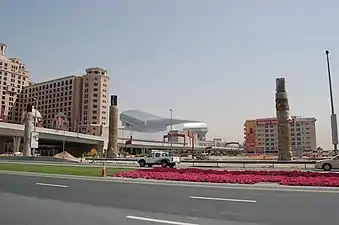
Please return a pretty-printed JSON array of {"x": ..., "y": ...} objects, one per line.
[
  {"x": 14, "y": 77},
  {"x": 81, "y": 100}
]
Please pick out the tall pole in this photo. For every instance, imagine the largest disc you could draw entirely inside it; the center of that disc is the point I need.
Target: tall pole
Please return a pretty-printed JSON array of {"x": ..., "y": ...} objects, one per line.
[
  {"x": 63, "y": 141},
  {"x": 334, "y": 126},
  {"x": 171, "y": 128},
  {"x": 35, "y": 120},
  {"x": 64, "y": 136},
  {"x": 282, "y": 113},
  {"x": 35, "y": 113},
  {"x": 193, "y": 140},
  {"x": 112, "y": 150}
]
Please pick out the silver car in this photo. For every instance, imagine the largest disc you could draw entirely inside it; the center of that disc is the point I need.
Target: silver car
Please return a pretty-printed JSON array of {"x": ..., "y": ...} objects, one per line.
[{"x": 328, "y": 164}]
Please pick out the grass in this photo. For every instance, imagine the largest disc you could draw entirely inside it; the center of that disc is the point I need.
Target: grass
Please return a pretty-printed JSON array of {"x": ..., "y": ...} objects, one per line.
[{"x": 60, "y": 169}]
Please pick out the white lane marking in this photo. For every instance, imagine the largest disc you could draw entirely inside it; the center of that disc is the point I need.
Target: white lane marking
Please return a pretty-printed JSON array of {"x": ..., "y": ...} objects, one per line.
[
  {"x": 274, "y": 188},
  {"x": 224, "y": 199},
  {"x": 159, "y": 221},
  {"x": 52, "y": 185}
]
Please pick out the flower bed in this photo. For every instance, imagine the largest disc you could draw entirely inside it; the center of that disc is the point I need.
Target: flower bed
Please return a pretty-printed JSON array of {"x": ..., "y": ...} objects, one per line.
[{"x": 294, "y": 178}]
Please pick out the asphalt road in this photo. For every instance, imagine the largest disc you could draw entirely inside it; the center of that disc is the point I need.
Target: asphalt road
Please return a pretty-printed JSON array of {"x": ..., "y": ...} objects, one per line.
[{"x": 26, "y": 200}]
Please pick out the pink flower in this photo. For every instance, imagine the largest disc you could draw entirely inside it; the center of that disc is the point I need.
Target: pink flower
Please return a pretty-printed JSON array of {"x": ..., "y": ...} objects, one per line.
[{"x": 295, "y": 178}]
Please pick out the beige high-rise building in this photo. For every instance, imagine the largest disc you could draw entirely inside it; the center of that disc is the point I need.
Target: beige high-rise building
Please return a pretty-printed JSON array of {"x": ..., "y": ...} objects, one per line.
[
  {"x": 82, "y": 100},
  {"x": 13, "y": 77}
]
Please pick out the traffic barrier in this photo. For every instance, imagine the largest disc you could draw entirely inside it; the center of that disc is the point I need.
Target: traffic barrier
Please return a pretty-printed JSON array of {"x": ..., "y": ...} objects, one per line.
[
  {"x": 217, "y": 162},
  {"x": 103, "y": 170}
]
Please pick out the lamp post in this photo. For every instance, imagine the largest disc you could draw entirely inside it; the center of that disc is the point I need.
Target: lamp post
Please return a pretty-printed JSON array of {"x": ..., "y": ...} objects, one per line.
[
  {"x": 35, "y": 119},
  {"x": 62, "y": 123},
  {"x": 171, "y": 128},
  {"x": 334, "y": 127},
  {"x": 64, "y": 136},
  {"x": 64, "y": 139},
  {"x": 35, "y": 112}
]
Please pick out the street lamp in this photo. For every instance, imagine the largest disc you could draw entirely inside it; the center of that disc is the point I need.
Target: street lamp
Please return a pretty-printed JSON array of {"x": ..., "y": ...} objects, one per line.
[
  {"x": 62, "y": 123},
  {"x": 334, "y": 127},
  {"x": 35, "y": 112},
  {"x": 35, "y": 119},
  {"x": 171, "y": 128}
]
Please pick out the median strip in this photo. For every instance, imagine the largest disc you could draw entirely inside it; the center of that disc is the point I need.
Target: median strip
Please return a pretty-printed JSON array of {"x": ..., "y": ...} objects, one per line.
[{"x": 60, "y": 169}]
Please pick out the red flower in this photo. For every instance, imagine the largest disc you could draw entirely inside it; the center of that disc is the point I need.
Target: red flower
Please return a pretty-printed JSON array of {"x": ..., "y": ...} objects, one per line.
[{"x": 296, "y": 178}]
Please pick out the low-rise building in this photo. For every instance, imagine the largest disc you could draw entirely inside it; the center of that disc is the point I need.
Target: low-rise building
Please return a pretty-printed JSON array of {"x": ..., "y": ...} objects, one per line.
[{"x": 261, "y": 135}]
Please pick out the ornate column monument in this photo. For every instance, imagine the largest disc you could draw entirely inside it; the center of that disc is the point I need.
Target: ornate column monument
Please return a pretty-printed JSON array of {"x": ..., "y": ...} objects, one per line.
[
  {"x": 282, "y": 114},
  {"x": 112, "y": 150}
]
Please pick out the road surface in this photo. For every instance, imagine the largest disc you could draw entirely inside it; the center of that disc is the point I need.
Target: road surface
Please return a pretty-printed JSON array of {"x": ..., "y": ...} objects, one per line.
[{"x": 42, "y": 200}]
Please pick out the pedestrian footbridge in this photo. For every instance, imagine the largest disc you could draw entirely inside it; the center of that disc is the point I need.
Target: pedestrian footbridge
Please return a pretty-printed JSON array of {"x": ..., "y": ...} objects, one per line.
[{"x": 17, "y": 130}]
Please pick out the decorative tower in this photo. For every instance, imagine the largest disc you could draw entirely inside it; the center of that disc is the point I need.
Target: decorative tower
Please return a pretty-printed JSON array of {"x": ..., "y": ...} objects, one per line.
[
  {"x": 113, "y": 150},
  {"x": 282, "y": 113}
]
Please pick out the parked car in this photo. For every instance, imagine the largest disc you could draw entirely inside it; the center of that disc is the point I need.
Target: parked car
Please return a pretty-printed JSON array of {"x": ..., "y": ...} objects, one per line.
[{"x": 328, "y": 164}]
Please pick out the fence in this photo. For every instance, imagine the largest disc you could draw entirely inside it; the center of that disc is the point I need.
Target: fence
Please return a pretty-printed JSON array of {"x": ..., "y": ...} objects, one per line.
[{"x": 218, "y": 162}]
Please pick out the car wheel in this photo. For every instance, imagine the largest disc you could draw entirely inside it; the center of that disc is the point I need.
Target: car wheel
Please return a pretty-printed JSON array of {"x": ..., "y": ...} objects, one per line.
[
  {"x": 142, "y": 163},
  {"x": 150, "y": 165},
  {"x": 172, "y": 165},
  {"x": 164, "y": 164},
  {"x": 327, "y": 167}
]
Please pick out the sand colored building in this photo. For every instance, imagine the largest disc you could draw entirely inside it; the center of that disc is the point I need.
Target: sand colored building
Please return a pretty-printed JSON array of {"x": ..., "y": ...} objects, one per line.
[
  {"x": 81, "y": 100},
  {"x": 261, "y": 135},
  {"x": 14, "y": 76}
]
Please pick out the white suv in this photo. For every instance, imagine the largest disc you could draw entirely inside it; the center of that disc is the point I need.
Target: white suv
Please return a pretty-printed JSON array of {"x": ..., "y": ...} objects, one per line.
[
  {"x": 159, "y": 158},
  {"x": 328, "y": 164}
]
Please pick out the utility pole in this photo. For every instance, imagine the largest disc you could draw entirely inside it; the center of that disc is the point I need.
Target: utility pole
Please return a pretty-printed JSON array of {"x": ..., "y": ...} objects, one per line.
[
  {"x": 334, "y": 125},
  {"x": 64, "y": 137},
  {"x": 35, "y": 121},
  {"x": 171, "y": 128}
]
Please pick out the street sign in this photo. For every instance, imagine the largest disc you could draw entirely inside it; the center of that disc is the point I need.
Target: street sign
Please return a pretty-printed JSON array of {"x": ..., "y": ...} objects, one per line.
[
  {"x": 93, "y": 151},
  {"x": 34, "y": 139}
]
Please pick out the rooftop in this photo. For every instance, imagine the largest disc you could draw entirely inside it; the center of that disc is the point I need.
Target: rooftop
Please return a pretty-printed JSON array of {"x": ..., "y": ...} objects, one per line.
[{"x": 144, "y": 116}]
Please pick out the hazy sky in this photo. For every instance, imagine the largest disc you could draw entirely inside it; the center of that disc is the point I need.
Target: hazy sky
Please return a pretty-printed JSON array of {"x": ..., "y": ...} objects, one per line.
[{"x": 210, "y": 60}]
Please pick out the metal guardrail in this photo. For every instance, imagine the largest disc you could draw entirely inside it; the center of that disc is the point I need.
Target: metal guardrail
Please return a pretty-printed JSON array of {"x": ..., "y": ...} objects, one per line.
[
  {"x": 247, "y": 162},
  {"x": 217, "y": 162}
]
